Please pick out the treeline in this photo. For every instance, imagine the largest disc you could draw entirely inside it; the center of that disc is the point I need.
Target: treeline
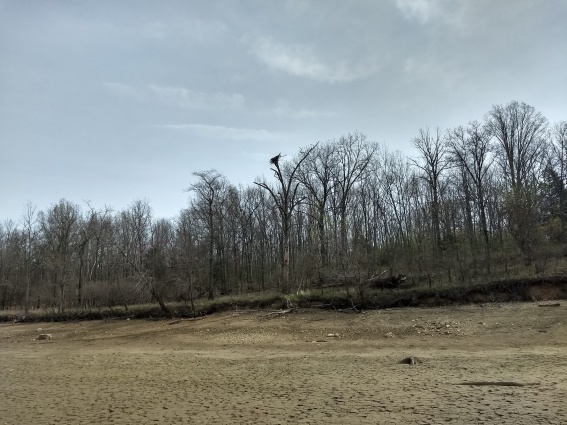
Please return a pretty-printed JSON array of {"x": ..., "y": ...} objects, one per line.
[{"x": 477, "y": 202}]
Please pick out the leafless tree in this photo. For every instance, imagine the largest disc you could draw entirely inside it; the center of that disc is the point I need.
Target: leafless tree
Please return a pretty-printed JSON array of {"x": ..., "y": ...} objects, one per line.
[
  {"x": 209, "y": 189},
  {"x": 30, "y": 233},
  {"x": 317, "y": 175},
  {"x": 355, "y": 157},
  {"x": 59, "y": 226},
  {"x": 189, "y": 258},
  {"x": 266, "y": 232},
  {"x": 396, "y": 181},
  {"x": 521, "y": 139},
  {"x": 520, "y": 134},
  {"x": 136, "y": 249},
  {"x": 10, "y": 260},
  {"x": 471, "y": 150},
  {"x": 434, "y": 162},
  {"x": 88, "y": 227},
  {"x": 556, "y": 174},
  {"x": 286, "y": 199}
]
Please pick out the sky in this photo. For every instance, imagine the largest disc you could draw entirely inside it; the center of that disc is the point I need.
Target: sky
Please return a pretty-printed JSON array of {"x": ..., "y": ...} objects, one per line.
[{"x": 106, "y": 102}]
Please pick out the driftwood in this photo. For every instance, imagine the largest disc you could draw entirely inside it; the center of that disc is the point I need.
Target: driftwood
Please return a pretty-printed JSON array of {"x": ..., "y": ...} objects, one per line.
[
  {"x": 277, "y": 313},
  {"x": 550, "y": 305}
]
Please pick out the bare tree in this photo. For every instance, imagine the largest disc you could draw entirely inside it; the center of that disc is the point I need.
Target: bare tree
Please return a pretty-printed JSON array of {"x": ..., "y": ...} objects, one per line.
[
  {"x": 137, "y": 249},
  {"x": 435, "y": 161},
  {"x": 58, "y": 227},
  {"x": 209, "y": 189},
  {"x": 189, "y": 260},
  {"x": 556, "y": 175},
  {"x": 396, "y": 181},
  {"x": 87, "y": 229},
  {"x": 520, "y": 134},
  {"x": 355, "y": 156},
  {"x": 10, "y": 260},
  {"x": 265, "y": 231},
  {"x": 317, "y": 175},
  {"x": 286, "y": 198},
  {"x": 30, "y": 232},
  {"x": 471, "y": 150},
  {"x": 249, "y": 204}
]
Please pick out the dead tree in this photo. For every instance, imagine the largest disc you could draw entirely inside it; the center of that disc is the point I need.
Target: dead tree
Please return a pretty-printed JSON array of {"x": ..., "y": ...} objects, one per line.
[{"x": 286, "y": 199}]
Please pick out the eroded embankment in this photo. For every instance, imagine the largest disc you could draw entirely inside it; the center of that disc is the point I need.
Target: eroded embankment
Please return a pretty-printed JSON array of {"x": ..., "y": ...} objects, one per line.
[{"x": 351, "y": 298}]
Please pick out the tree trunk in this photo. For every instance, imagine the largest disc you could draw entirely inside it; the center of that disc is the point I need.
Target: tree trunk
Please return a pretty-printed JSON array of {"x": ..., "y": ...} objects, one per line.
[
  {"x": 211, "y": 260},
  {"x": 322, "y": 238},
  {"x": 344, "y": 242},
  {"x": 484, "y": 225},
  {"x": 285, "y": 262},
  {"x": 162, "y": 305}
]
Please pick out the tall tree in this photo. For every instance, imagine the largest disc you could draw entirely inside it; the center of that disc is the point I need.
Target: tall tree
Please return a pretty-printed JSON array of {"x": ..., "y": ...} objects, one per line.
[
  {"x": 520, "y": 133},
  {"x": 555, "y": 188},
  {"x": 30, "y": 233},
  {"x": 471, "y": 150},
  {"x": 10, "y": 261},
  {"x": 355, "y": 159},
  {"x": 59, "y": 226},
  {"x": 209, "y": 190},
  {"x": 396, "y": 180},
  {"x": 286, "y": 199},
  {"x": 434, "y": 162},
  {"x": 317, "y": 175}
]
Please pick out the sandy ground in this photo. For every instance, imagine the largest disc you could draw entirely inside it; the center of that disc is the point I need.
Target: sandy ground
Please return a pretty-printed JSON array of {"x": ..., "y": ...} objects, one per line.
[{"x": 256, "y": 367}]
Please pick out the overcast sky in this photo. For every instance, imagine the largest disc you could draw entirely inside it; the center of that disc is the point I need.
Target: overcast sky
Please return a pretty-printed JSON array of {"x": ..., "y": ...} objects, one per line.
[{"x": 110, "y": 101}]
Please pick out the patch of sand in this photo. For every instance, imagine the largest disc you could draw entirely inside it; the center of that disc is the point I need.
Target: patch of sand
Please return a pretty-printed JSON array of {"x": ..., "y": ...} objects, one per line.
[{"x": 304, "y": 367}]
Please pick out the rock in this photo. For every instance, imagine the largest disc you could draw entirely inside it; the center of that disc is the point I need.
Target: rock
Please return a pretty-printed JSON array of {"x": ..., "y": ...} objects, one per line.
[
  {"x": 332, "y": 335},
  {"x": 411, "y": 361},
  {"x": 389, "y": 335},
  {"x": 44, "y": 336}
]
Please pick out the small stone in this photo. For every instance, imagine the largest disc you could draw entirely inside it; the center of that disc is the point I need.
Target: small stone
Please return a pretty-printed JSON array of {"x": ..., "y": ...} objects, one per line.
[{"x": 44, "y": 336}]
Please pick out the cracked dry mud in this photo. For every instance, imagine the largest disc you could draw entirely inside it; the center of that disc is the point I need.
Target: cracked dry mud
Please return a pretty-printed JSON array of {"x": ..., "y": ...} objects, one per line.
[{"x": 249, "y": 367}]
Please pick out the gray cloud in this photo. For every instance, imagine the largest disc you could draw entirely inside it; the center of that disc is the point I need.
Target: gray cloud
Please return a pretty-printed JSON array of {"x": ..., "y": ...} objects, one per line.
[
  {"x": 177, "y": 96},
  {"x": 113, "y": 100},
  {"x": 226, "y": 133},
  {"x": 429, "y": 11},
  {"x": 302, "y": 61}
]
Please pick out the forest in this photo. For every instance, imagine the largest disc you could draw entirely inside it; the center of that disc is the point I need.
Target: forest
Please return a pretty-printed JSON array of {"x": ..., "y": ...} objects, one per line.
[{"x": 479, "y": 202}]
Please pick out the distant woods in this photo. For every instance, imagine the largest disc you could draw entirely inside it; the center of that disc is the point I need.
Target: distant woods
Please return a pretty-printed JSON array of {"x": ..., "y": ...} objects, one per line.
[{"x": 478, "y": 202}]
